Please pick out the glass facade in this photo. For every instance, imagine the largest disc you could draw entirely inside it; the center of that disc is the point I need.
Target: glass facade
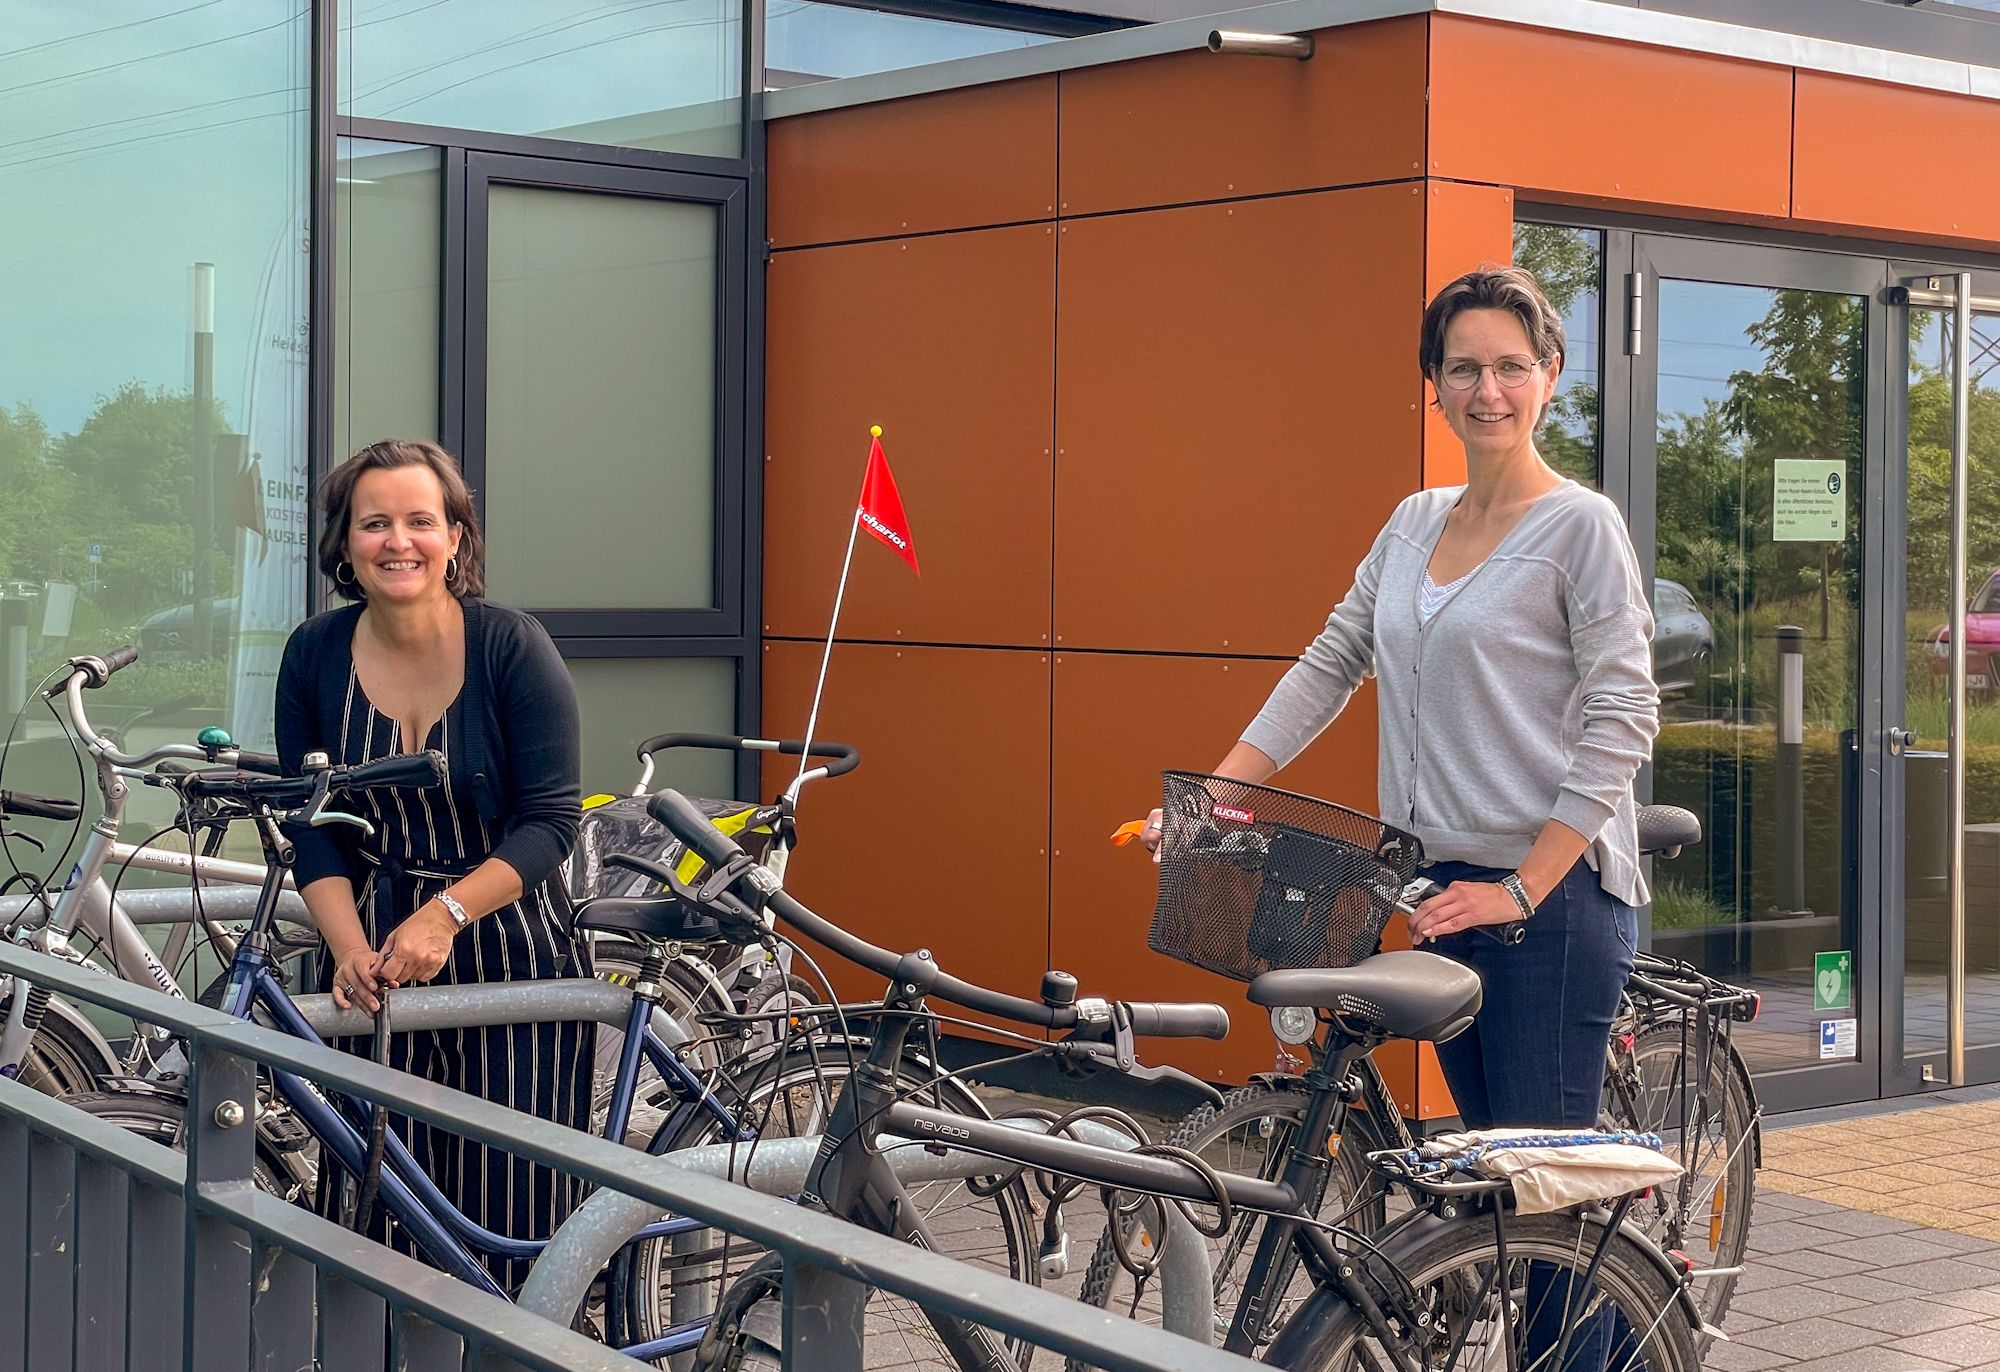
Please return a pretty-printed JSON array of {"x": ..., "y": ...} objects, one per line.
[
  {"x": 154, "y": 363},
  {"x": 808, "y": 42},
  {"x": 1569, "y": 264},
  {"x": 665, "y": 76},
  {"x": 601, "y": 343},
  {"x": 628, "y": 699},
  {"x": 386, "y": 265}
]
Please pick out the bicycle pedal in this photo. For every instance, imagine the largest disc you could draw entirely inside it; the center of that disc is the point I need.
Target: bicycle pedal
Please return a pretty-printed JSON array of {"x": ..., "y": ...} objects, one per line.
[{"x": 1055, "y": 1259}]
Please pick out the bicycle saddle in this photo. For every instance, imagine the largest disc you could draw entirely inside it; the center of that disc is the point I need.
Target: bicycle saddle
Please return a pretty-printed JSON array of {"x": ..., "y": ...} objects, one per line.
[
  {"x": 1407, "y": 995},
  {"x": 660, "y": 917},
  {"x": 1666, "y": 829}
]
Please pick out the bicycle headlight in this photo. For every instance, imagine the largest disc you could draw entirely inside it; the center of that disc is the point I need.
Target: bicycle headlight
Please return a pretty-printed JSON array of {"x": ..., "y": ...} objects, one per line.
[{"x": 1294, "y": 1023}]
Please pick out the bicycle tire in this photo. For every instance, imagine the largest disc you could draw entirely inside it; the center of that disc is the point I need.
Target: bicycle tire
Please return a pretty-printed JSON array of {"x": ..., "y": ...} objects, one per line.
[
  {"x": 1250, "y": 1132},
  {"x": 800, "y": 1080},
  {"x": 1329, "y": 1335},
  {"x": 1705, "y": 1215},
  {"x": 59, "y": 1061},
  {"x": 163, "y": 1120}
]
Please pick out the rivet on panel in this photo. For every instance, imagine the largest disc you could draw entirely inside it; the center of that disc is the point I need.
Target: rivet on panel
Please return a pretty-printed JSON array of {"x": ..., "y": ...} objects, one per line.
[
  {"x": 1225, "y": 668},
  {"x": 905, "y": 247},
  {"x": 1058, "y": 852},
  {"x": 899, "y": 652},
  {"x": 1231, "y": 186},
  {"x": 1065, "y": 204},
  {"x": 899, "y": 633},
  {"x": 1617, "y": 185},
  {"x": 1230, "y": 212},
  {"x": 1059, "y": 639},
  {"x": 1416, "y": 190},
  {"x": 906, "y": 223},
  {"x": 1225, "y": 643},
  {"x": 1041, "y": 852}
]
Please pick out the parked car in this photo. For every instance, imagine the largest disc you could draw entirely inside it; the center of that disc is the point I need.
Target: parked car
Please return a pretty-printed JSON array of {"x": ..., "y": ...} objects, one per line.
[
  {"x": 168, "y": 636},
  {"x": 1982, "y": 638},
  {"x": 1683, "y": 639}
]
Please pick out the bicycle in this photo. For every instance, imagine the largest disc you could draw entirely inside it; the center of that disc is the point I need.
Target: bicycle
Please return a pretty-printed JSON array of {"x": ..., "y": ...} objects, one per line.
[
  {"x": 1447, "y": 1278},
  {"x": 341, "y": 1128},
  {"x": 1671, "y": 1018}
]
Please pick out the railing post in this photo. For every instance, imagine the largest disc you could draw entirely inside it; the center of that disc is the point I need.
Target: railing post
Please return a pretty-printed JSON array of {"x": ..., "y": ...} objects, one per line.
[
  {"x": 823, "y": 1318},
  {"x": 221, "y": 1153}
]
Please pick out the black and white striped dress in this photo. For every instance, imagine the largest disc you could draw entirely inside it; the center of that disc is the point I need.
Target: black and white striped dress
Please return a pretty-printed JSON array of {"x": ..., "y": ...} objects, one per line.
[{"x": 422, "y": 841}]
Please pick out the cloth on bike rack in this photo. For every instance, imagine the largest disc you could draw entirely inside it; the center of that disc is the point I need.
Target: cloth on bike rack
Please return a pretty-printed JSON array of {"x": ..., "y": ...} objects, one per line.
[
  {"x": 1549, "y": 1169},
  {"x": 623, "y": 826}
]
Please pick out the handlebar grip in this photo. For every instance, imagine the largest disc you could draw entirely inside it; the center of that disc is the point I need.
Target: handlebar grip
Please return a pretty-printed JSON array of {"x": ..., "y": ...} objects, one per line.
[
  {"x": 265, "y": 763},
  {"x": 410, "y": 772},
  {"x": 1169, "y": 1020},
  {"x": 844, "y": 757},
  {"x": 118, "y": 659},
  {"x": 692, "y": 827},
  {"x": 41, "y": 807}
]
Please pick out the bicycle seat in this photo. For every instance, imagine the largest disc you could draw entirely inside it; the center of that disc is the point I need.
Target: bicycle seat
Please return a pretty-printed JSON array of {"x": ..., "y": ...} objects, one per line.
[
  {"x": 1407, "y": 995},
  {"x": 660, "y": 917},
  {"x": 1666, "y": 829}
]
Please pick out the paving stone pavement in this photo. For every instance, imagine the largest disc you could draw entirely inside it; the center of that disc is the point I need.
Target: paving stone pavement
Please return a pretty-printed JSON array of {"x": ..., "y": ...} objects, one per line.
[{"x": 1874, "y": 1247}]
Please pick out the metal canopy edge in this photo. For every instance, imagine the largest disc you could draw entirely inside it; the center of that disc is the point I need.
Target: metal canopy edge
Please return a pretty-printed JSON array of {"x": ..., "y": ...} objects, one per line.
[{"x": 1591, "y": 18}]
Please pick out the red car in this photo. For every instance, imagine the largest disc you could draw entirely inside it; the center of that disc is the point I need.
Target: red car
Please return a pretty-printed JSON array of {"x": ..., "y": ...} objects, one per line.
[{"x": 1982, "y": 638}]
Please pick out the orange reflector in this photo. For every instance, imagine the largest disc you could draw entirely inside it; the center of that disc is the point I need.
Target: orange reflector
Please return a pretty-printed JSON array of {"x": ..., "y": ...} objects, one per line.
[{"x": 1715, "y": 1219}]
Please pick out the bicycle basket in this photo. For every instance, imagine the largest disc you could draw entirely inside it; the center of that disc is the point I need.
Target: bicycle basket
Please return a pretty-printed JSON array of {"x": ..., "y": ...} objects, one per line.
[
  {"x": 1253, "y": 879},
  {"x": 623, "y": 826}
]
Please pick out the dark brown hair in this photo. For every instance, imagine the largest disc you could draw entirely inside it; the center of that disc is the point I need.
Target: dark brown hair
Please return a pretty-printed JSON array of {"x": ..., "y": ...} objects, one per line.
[
  {"x": 336, "y": 502},
  {"x": 1492, "y": 288}
]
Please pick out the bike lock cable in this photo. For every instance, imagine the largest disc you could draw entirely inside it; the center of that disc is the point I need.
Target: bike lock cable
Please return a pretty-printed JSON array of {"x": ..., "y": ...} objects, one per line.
[{"x": 378, "y": 1124}]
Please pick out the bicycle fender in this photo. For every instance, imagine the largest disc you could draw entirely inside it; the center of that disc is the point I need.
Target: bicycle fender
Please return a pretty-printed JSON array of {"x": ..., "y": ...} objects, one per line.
[{"x": 109, "y": 1062}]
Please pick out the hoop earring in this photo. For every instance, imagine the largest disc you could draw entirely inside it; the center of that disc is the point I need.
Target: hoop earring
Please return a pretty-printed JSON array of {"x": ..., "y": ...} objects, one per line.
[
  {"x": 340, "y": 580},
  {"x": 451, "y": 571}
]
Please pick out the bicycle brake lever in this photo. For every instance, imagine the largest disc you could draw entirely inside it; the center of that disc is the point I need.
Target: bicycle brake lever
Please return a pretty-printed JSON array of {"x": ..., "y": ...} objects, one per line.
[
  {"x": 316, "y": 815},
  {"x": 1186, "y": 1080},
  {"x": 39, "y": 846}
]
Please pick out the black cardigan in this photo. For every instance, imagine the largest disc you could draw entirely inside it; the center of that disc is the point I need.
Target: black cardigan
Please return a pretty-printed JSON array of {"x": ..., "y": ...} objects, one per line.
[{"x": 514, "y": 735}]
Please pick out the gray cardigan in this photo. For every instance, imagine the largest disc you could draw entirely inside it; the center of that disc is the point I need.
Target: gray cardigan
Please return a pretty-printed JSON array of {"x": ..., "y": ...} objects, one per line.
[{"x": 1528, "y": 696}]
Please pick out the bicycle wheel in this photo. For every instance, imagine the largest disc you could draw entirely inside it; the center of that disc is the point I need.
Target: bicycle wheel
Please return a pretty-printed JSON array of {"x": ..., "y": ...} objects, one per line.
[
  {"x": 1707, "y": 1128},
  {"x": 60, "y": 1061},
  {"x": 163, "y": 1120},
  {"x": 789, "y": 1092},
  {"x": 1452, "y": 1306}
]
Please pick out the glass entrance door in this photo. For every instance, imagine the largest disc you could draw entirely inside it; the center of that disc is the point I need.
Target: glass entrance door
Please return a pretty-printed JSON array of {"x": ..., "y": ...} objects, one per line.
[
  {"x": 1754, "y": 487},
  {"x": 1923, "y": 363}
]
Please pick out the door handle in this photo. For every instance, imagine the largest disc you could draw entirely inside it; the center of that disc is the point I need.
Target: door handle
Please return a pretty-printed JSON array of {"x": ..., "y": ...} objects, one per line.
[{"x": 1899, "y": 739}]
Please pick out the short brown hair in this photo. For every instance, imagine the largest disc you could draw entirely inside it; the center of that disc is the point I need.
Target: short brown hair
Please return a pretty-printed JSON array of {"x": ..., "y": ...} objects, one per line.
[
  {"x": 1512, "y": 289},
  {"x": 336, "y": 502}
]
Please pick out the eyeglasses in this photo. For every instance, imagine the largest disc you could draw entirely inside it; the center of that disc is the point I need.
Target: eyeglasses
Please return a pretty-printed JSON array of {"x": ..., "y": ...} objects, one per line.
[{"x": 1462, "y": 373}]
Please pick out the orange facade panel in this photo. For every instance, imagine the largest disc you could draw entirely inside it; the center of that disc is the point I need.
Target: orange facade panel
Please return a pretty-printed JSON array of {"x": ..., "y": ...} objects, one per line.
[
  {"x": 1119, "y": 720},
  {"x": 939, "y": 839},
  {"x": 1465, "y": 227},
  {"x": 948, "y": 343},
  {"x": 1202, "y": 126},
  {"x": 1237, "y": 414},
  {"x": 1667, "y": 128},
  {"x": 957, "y": 159},
  {"x": 1897, "y": 159}
]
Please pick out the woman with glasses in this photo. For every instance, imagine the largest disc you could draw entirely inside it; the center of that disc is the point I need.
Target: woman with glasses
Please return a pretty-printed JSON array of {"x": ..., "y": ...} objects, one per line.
[{"x": 1509, "y": 633}]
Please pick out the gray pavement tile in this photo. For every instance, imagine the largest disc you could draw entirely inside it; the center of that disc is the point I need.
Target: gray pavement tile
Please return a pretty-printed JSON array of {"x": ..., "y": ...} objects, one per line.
[
  {"x": 1815, "y": 1263},
  {"x": 1911, "y": 1315},
  {"x": 1858, "y": 1223},
  {"x": 1788, "y": 1236},
  {"x": 1763, "y": 1277},
  {"x": 1960, "y": 1346},
  {"x": 1966, "y": 1243},
  {"x": 1944, "y": 1274},
  {"x": 1874, "y": 1360},
  {"x": 1988, "y": 1257},
  {"x": 1814, "y": 1338},
  {"x": 1800, "y": 1302},
  {"x": 1871, "y": 1288},
  {"x": 1741, "y": 1357},
  {"x": 1985, "y": 1300},
  {"x": 1736, "y": 1322},
  {"x": 1890, "y": 1250}
]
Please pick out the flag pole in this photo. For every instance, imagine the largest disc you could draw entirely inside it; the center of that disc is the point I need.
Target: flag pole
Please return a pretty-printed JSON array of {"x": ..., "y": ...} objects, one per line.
[{"x": 839, "y": 594}]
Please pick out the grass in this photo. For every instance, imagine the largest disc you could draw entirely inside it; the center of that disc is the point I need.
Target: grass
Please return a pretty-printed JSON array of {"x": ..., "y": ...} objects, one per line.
[{"x": 1678, "y": 905}]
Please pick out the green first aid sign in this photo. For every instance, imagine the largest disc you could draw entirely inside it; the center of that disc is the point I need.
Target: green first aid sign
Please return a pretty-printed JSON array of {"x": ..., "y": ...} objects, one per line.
[{"x": 1833, "y": 981}]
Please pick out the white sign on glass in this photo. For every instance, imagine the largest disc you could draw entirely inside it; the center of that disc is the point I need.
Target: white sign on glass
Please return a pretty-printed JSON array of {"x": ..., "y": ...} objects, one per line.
[{"x": 1808, "y": 500}]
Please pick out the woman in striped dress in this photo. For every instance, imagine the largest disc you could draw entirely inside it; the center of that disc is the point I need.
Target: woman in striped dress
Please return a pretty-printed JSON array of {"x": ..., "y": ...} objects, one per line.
[{"x": 459, "y": 884}]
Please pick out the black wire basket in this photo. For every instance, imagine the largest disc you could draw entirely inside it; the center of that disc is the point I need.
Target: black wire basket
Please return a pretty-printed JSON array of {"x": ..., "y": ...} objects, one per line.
[{"x": 1254, "y": 879}]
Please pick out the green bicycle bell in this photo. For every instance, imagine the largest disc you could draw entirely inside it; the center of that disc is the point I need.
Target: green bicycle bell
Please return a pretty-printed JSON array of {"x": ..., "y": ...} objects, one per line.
[{"x": 214, "y": 738}]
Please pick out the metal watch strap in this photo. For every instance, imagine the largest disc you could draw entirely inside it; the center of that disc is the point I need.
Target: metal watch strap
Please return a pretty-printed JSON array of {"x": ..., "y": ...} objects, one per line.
[
  {"x": 451, "y": 906},
  {"x": 1512, "y": 881}
]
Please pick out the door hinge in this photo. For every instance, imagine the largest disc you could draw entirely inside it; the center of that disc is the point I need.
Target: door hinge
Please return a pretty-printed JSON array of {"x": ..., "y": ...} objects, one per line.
[{"x": 1635, "y": 312}]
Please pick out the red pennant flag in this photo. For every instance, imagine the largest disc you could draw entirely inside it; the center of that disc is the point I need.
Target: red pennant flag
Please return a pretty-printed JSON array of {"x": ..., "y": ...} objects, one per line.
[{"x": 881, "y": 510}]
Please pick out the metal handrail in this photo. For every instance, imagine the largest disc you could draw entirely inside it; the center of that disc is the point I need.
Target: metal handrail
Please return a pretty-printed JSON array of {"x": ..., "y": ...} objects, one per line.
[{"x": 827, "y": 1262}]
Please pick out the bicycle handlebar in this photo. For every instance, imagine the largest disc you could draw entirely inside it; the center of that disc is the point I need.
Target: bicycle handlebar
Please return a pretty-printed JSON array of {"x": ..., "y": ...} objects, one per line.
[
  {"x": 406, "y": 771},
  {"x": 844, "y": 757},
  {"x": 41, "y": 807},
  {"x": 1162, "y": 1020}
]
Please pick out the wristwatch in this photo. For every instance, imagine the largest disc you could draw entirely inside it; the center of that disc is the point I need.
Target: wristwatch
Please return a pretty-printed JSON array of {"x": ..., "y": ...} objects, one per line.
[
  {"x": 1514, "y": 888},
  {"x": 459, "y": 919}
]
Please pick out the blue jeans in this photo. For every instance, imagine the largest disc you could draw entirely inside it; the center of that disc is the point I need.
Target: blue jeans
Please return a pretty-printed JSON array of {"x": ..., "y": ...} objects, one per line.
[{"x": 1535, "y": 1054}]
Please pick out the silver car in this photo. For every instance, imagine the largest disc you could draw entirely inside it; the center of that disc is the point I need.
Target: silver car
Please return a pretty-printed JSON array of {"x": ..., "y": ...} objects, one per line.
[{"x": 1683, "y": 639}]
